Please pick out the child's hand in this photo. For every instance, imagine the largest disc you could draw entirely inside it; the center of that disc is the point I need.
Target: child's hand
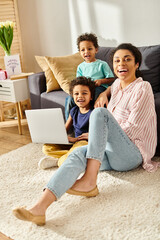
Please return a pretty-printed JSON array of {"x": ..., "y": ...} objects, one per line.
[
  {"x": 97, "y": 82},
  {"x": 72, "y": 139},
  {"x": 83, "y": 136}
]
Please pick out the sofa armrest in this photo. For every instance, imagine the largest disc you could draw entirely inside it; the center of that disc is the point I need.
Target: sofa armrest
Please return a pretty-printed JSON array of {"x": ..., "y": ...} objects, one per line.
[{"x": 37, "y": 85}]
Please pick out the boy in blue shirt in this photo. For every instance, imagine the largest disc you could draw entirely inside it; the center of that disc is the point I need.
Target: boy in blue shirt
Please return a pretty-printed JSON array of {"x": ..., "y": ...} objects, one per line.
[
  {"x": 98, "y": 70},
  {"x": 82, "y": 89}
]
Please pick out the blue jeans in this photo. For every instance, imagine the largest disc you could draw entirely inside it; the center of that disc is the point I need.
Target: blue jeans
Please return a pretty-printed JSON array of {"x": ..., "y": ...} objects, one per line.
[
  {"x": 108, "y": 144},
  {"x": 69, "y": 102}
]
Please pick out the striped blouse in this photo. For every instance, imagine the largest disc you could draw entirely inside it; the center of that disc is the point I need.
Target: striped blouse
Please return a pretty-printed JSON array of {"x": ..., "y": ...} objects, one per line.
[{"x": 134, "y": 109}]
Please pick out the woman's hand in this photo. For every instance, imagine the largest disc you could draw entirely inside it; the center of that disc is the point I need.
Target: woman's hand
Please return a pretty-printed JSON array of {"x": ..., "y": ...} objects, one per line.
[
  {"x": 101, "y": 100},
  {"x": 83, "y": 136}
]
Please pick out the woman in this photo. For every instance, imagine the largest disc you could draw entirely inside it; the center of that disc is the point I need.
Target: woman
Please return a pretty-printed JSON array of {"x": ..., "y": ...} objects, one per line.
[{"x": 121, "y": 137}]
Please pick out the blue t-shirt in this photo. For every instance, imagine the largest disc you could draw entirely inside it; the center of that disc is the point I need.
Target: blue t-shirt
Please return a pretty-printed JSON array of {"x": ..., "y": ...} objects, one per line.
[
  {"x": 95, "y": 70},
  {"x": 80, "y": 121}
]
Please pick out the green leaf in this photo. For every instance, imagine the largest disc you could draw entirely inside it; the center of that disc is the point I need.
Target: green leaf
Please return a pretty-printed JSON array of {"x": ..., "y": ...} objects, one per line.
[
  {"x": 10, "y": 36},
  {"x": 2, "y": 40},
  {"x": 6, "y": 38},
  {"x": 3, "y": 46},
  {"x": 6, "y": 35},
  {"x": 2, "y": 36}
]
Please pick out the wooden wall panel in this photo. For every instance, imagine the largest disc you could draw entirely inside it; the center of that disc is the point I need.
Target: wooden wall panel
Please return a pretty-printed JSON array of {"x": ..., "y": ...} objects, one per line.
[{"x": 9, "y": 11}]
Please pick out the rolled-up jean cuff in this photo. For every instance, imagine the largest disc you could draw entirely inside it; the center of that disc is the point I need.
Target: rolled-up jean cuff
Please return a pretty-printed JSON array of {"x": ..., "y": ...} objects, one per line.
[{"x": 51, "y": 191}]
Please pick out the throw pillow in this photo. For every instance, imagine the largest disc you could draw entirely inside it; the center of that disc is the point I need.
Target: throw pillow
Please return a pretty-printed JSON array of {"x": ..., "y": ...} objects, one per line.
[
  {"x": 51, "y": 82},
  {"x": 64, "y": 68}
]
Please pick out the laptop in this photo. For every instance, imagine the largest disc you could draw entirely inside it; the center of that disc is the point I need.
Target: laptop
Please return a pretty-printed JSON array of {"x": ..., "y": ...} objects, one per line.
[{"x": 47, "y": 126}]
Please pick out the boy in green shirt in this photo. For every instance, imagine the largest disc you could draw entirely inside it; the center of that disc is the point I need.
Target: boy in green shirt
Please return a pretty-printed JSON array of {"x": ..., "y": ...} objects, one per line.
[{"x": 98, "y": 70}]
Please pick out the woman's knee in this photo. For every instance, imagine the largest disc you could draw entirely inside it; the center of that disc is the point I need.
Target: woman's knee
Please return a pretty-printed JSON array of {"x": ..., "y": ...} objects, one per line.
[
  {"x": 99, "y": 111},
  {"x": 99, "y": 114}
]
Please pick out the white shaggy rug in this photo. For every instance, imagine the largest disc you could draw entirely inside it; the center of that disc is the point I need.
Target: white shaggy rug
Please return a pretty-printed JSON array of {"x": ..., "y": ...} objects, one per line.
[{"x": 127, "y": 208}]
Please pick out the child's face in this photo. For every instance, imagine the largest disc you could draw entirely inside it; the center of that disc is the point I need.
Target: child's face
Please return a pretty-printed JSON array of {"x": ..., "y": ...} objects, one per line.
[
  {"x": 82, "y": 96},
  {"x": 87, "y": 51}
]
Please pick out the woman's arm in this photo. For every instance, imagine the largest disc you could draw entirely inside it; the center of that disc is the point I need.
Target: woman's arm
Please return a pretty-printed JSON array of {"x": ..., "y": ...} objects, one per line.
[{"x": 103, "y": 98}]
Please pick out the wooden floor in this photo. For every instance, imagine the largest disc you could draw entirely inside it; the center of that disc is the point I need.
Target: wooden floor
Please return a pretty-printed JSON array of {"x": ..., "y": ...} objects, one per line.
[
  {"x": 4, "y": 237},
  {"x": 10, "y": 140}
]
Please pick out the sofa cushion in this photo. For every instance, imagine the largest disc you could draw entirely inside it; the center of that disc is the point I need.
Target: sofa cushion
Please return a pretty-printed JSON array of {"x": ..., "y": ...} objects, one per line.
[
  {"x": 64, "y": 68},
  {"x": 104, "y": 54},
  {"x": 51, "y": 82},
  {"x": 54, "y": 99},
  {"x": 150, "y": 66}
]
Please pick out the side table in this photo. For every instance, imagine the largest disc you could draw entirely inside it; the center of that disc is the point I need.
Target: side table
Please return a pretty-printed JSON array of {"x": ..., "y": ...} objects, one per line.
[{"x": 15, "y": 91}]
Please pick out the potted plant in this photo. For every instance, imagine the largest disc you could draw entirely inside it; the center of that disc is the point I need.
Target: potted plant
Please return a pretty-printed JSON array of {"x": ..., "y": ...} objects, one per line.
[
  {"x": 12, "y": 62},
  {"x": 6, "y": 36}
]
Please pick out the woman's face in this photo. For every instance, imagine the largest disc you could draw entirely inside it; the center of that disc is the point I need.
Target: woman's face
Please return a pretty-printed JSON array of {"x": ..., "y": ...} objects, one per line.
[{"x": 124, "y": 66}]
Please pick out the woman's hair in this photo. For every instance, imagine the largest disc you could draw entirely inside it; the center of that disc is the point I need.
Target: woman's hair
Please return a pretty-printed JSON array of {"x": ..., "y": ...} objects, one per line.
[
  {"x": 134, "y": 50},
  {"x": 91, "y": 37},
  {"x": 82, "y": 81}
]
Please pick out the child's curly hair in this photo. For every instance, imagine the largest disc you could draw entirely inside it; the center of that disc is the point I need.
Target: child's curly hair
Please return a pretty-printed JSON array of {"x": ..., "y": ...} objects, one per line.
[
  {"x": 91, "y": 37},
  {"x": 82, "y": 81}
]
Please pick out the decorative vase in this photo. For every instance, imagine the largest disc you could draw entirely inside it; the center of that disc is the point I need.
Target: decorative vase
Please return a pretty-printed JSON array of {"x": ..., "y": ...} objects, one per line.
[{"x": 12, "y": 65}]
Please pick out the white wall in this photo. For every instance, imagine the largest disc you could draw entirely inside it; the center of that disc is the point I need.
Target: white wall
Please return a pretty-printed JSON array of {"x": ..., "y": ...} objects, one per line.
[{"x": 51, "y": 27}]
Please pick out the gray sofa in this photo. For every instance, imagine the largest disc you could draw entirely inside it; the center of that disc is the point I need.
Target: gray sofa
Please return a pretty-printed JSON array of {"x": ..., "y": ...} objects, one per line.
[{"x": 150, "y": 69}]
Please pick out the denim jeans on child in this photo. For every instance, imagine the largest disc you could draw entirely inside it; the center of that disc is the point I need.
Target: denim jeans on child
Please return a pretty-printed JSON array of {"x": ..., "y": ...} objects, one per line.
[{"x": 108, "y": 144}]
